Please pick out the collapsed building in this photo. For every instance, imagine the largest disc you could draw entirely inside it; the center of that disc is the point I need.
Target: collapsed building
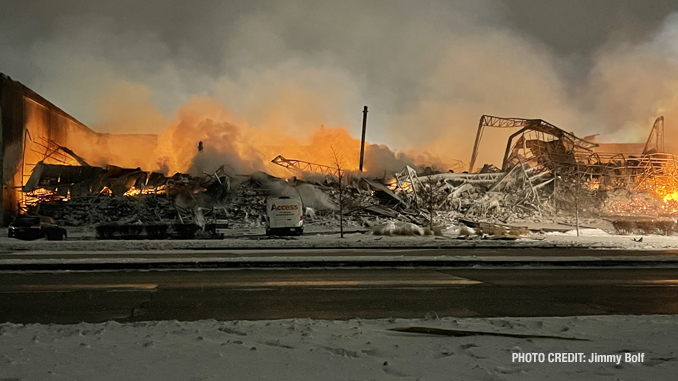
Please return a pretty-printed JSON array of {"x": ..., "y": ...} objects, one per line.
[
  {"x": 577, "y": 165},
  {"x": 50, "y": 167},
  {"x": 546, "y": 171}
]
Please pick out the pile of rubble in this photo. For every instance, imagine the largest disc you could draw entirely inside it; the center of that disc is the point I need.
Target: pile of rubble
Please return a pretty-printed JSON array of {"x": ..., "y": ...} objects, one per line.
[
  {"x": 102, "y": 209},
  {"x": 546, "y": 172},
  {"x": 439, "y": 199}
]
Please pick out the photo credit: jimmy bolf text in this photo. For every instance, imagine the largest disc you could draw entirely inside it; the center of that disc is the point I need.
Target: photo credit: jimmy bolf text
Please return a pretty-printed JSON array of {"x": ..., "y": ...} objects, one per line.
[{"x": 556, "y": 357}]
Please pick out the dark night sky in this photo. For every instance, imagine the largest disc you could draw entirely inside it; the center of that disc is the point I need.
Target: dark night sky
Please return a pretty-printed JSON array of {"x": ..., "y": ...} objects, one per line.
[
  {"x": 581, "y": 26},
  {"x": 436, "y": 63},
  {"x": 574, "y": 27}
]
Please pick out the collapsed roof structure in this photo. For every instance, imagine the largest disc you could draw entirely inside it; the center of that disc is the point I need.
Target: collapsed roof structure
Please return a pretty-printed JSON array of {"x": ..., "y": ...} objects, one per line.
[
  {"x": 537, "y": 143},
  {"x": 544, "y": 169},
  {"x": 546, "y": 147}
]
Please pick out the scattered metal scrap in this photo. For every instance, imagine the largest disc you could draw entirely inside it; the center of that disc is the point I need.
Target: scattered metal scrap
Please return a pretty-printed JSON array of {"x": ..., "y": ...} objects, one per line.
[{"x": 517, "y": 193}]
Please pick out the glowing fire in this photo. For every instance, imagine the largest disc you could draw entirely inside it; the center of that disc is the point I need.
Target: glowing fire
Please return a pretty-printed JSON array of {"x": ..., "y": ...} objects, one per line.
[
  {"x": 670, "y": 202},
  {"x": 665, "y": 188},
  {"x": 38, "y": 196},
  {"x": 136, "y": 191},
  {"x": 43, "y": 195},
  {"x": 405, "y": 185},
  {"x": 661, "y": 190},
  {"x": 133, "y": 192},
  {"x": 592, "y": 184}
]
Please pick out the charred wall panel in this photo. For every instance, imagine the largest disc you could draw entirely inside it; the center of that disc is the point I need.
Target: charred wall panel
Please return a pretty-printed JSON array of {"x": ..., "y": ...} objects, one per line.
[
  {"x": 23, "y": 110},
  {"x": 12, "y": 105}
]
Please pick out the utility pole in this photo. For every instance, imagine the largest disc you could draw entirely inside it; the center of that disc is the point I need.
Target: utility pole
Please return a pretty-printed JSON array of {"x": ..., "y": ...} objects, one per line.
[
  {"x": 362, "y": 142},
  {"x": 555, "y": 189},
  {"x": 341, "y": 206},
  {"x": 576, "y": 200},
  {"x": 340, "y": 175}
]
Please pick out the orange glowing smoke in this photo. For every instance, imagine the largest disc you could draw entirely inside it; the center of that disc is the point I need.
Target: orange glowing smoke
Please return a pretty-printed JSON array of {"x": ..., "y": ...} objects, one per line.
[
  {"x": 292, "y": 127},
  {"x": 228, "y": 139},
  {"x": 329, "y": 146}
]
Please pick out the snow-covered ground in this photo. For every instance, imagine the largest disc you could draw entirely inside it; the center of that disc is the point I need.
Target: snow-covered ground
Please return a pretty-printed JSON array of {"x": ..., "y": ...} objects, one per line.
[
  {"x": 593, "y": 238},
  {"x": 595, "y": 233},
  {"x": 303, "y": 349}
]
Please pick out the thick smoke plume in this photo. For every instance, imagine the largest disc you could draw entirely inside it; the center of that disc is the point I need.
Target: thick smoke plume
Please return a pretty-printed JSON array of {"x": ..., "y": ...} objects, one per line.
[{"x": 259, "y": 78}]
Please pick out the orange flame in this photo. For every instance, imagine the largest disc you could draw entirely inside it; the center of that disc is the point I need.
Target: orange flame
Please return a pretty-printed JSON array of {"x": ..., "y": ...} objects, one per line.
[{"x": 144, "y": 191}]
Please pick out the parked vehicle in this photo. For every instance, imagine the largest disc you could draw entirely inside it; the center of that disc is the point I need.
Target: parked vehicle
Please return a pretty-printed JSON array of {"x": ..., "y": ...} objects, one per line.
[
  {"x": 284, "y": 216},
  {"x": 35, "y": 227},
  {"x": 217, "y": 228}
]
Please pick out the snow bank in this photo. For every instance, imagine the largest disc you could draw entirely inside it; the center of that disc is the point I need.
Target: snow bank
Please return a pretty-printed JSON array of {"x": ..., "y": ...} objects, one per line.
[
  {"x": 582, "y": 232},
  {"x": 318, "y": 237},
  {"x": 397, "y": 228},
  {"x": 303, "y": 349}
]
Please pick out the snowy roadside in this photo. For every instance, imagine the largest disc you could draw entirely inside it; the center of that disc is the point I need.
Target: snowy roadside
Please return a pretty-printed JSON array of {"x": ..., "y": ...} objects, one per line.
[
  {"x": 304, "y": 349},
  {"x": 590, "y": 238},
  {"x": 113, "y": 261}
]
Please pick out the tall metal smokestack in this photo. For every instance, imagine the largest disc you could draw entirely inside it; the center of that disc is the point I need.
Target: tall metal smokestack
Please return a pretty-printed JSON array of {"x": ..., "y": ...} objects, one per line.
[{"x": 362, "y": 141}]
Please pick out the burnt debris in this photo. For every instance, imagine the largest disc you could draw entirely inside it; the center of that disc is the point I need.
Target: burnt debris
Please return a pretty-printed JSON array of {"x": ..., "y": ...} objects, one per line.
[{"x": 546, "y": 173}]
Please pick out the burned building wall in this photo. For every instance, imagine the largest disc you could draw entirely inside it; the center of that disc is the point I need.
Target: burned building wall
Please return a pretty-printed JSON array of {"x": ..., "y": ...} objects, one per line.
[
  {"x": 31, "y": 126},
  {"x": 27, "y": 119},
  {"x": 11, "y": 120}
]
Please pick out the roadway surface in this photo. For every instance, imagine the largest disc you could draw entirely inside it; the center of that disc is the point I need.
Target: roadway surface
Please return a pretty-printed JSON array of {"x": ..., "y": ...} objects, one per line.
[
  {"x": 220, "y": 258},
  {"x": 71, "y": 297}
]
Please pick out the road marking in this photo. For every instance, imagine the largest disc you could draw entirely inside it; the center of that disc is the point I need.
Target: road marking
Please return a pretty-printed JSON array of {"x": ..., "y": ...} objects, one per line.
[
  {"x": 329, "y": 283},
  {"x": 657, "y": 282},
  {"x": 252, "y": 284},
  {"x": 81, "y": 287}
]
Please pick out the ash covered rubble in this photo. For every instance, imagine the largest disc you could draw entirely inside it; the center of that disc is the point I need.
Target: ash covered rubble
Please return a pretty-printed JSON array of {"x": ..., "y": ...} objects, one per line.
[
  {"x": 547, "y": 176},
  {"x": 550, "y": 175},
  {"x": 122, "y": 199}
]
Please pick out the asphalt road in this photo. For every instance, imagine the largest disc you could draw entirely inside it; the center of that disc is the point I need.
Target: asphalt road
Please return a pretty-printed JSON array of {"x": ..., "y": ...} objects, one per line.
[{"x": 71, "y": 297}]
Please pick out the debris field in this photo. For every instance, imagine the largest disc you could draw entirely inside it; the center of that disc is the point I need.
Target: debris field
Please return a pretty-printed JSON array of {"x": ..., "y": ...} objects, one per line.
[{"x": 546, "y": 175}]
